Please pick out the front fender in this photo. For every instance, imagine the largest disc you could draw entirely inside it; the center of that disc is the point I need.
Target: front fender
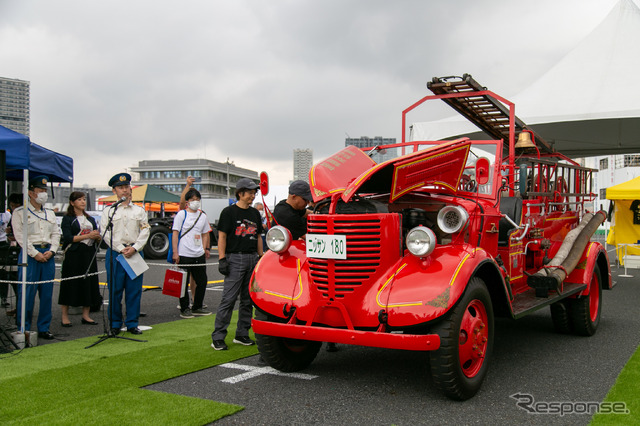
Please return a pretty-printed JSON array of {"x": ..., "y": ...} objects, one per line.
[
  {"x": 421, "y": 290},
  {"x": 280, "y": 280}
]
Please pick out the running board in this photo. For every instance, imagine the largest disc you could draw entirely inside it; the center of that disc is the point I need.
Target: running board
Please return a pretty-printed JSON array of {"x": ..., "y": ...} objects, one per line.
[{"x": 526, "y": 302}]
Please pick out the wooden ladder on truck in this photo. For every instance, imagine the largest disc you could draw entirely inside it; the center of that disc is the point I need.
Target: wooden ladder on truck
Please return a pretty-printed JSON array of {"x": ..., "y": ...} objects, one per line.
[{"x": 482, "y": 109}]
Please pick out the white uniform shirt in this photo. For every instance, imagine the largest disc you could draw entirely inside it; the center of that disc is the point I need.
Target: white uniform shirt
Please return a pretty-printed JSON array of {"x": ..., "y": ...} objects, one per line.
[
  {"x": 130, "y": 227},
  {"x": 42, "y": 228},
  {"x": 5, "y": 220},
  {"x": 190, "y": 244}
]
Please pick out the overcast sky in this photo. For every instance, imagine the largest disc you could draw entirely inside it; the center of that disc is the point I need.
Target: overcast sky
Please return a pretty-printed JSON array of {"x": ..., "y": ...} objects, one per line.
[{"x": 116, "y": 82}]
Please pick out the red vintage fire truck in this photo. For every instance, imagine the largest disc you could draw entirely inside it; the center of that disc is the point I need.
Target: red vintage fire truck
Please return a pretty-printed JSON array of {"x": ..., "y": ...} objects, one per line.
[{"x": 423, "y": 251}]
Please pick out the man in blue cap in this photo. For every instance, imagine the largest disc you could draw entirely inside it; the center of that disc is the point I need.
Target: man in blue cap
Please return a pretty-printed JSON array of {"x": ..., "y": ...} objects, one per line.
[
  {"x": 129, "y": 235},
  {"x": 43, "y": 239}
]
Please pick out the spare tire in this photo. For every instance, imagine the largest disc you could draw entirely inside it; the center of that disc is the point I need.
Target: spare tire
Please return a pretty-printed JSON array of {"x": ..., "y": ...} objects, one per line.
[{"x": 157, "y": 246}]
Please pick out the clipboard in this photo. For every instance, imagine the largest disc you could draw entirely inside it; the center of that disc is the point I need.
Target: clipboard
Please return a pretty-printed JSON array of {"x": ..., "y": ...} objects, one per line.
[{"x": 134, "y": 265}]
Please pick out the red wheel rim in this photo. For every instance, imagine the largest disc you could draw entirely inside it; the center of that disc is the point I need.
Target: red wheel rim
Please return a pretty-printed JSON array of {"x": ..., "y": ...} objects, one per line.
[
  {"x": 473, "y": 338},
  {"x": 594, "y": 297}
]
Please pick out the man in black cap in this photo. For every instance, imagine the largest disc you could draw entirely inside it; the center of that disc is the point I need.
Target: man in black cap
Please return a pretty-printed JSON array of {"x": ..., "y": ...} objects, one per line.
[
  {"x": 239, "y": 248},
  {"x": 43, "y": 239},
  {"x": 128, "y": 236},
  {"x": 292, "y": 212}
]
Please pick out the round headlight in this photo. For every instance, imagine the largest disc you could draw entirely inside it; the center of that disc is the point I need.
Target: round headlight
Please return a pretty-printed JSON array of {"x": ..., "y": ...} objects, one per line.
[
  {"x": 421, "y": 241},
  {"x": 451, "y": 219},
  {"x": 278, "y": 239}
]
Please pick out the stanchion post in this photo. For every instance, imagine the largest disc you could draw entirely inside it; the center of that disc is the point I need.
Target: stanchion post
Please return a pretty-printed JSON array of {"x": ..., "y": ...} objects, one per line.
[{"x": 25, "y": 242}]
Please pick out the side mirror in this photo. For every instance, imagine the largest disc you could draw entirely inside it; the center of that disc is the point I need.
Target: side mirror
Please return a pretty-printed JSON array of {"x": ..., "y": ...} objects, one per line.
[
  {"x": 264, "y": 183},
  {"x": 482, "y": 170}
]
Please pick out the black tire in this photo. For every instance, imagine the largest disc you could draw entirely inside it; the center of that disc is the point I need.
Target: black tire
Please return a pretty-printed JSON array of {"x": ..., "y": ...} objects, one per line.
[
  {"x": 157, "y": 246},
  {"x": 459, "y": 366},
  {"x": 561, "y": 317},
  {"x": 586, "y": 310},
  {"x": 286, "y": 355}
]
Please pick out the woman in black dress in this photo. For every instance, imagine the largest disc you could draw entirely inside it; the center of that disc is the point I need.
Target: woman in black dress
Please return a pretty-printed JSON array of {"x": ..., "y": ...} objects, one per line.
[{"x": 80, "y": 238}]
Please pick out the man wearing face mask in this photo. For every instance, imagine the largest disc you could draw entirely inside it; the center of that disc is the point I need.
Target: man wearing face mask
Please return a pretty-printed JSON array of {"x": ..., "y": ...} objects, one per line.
[
  {"x": 43, "y": 239},
  {"x": 191, "y": 247}
]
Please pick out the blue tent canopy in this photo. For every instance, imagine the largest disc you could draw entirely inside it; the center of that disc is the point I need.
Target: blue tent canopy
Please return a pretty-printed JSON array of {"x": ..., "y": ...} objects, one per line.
[{"x": 23, "y": 154}]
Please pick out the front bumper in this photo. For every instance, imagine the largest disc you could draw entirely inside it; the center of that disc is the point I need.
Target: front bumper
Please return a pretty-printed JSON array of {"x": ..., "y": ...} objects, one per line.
[{"x": 411, "y": 342}]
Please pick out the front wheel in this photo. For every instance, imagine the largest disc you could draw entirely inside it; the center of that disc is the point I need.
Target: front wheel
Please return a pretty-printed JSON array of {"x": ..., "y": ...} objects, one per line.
[
  {"x": 585, "y": 310},
  {"x": 459, "y": 366},
  {"x": 283, "y": 354}
]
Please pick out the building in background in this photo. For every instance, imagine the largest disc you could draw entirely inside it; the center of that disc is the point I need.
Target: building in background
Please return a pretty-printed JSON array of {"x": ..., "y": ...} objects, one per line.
[
  {"x": 302, "y": 163},
  {"x": 367, "y": 142},
  {"x": 214, "y": 179},
  {"x": 612, "y": 170},
  {"x": 14, "y": 105},
  {"x": 59, "y": 200}
]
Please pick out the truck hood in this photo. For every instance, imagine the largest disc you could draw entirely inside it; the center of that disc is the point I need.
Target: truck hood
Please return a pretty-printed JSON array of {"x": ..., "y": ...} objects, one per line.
[
  {"x": 441, "y": 165},
  {"x": 335, "y": 173}
]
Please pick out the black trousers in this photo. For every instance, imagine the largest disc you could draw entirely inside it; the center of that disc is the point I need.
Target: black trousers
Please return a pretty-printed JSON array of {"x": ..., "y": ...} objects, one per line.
[
  {"x": 6, "y": 274},
  {"x": 199, "y": 275}
]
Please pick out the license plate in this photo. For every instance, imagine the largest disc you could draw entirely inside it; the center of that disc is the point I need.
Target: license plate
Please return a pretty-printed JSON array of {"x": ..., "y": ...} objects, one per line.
[{"x": 322, "y": 246}]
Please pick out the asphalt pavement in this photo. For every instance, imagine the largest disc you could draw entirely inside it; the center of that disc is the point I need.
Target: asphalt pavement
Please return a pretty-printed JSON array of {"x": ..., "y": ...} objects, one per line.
[
  {"x": 358, "y": 385},
  {"x": 379, "y": 386}
]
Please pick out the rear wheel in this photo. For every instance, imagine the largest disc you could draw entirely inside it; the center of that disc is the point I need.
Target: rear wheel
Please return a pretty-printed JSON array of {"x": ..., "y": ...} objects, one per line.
[
  {"x": 460, "y": 364},
  {"x": 561, "y": 317},
  {"x": 585, "y": 310},
  {"x": 157, "y": 246},
  {"x": 286, "y": 354}
]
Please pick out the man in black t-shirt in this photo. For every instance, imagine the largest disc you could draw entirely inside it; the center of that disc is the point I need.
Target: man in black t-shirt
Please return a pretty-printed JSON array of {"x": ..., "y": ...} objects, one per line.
[
  {"x": 292, "y": 213},
  {"x": 239, "y": 248}
]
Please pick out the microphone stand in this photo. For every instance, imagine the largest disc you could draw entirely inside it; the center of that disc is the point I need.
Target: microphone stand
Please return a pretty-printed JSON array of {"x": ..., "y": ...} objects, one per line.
[{"x": 108, "y": 331}]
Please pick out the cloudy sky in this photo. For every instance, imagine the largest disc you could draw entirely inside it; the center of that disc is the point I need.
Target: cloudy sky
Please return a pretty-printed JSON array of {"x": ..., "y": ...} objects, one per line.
[{"x": 116, "y": 82}]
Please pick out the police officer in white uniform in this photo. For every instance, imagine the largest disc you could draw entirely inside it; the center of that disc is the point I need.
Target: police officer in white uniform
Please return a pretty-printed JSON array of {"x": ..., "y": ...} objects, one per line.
[
  {"x": 43, "y": 240},
  {"x": 130, "y": 234}
]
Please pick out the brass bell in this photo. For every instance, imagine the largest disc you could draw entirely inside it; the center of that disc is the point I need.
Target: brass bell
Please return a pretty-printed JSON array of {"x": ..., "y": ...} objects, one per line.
[{"x": 524, "y": 141}]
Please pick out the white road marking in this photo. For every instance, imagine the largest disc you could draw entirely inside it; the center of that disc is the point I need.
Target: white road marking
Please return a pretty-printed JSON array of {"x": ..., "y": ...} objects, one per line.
[{"x": 252, "y": 371}]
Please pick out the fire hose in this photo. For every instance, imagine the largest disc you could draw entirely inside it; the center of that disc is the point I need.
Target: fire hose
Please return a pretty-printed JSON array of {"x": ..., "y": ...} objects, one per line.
[{"x": 567, "y": 257}]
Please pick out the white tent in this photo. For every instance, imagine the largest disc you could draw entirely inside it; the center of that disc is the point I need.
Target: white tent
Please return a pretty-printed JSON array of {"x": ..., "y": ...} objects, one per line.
[{"x": 587, "y": 104}]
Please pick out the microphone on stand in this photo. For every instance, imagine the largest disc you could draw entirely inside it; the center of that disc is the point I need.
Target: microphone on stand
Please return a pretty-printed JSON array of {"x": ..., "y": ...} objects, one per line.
[{"x": 120, "y": 201}]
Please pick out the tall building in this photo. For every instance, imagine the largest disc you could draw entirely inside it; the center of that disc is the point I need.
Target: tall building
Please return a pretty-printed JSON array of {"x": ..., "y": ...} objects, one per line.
[
  {"x": 214, "y": 179},
  {"x": 14, "y": 105},
  {"x": 302, "y": 163},
  {"x": 367, "y": 142}
]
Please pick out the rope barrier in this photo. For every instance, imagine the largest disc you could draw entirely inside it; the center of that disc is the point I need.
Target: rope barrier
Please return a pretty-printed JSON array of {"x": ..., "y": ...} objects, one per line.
[{"x": 166, "y": 265}]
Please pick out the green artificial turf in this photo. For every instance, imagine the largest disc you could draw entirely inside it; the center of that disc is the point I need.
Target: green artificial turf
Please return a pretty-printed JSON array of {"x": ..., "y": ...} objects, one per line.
[
  {"x": 65, "y": 383},
  {"x": 627, "y": 390}
]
